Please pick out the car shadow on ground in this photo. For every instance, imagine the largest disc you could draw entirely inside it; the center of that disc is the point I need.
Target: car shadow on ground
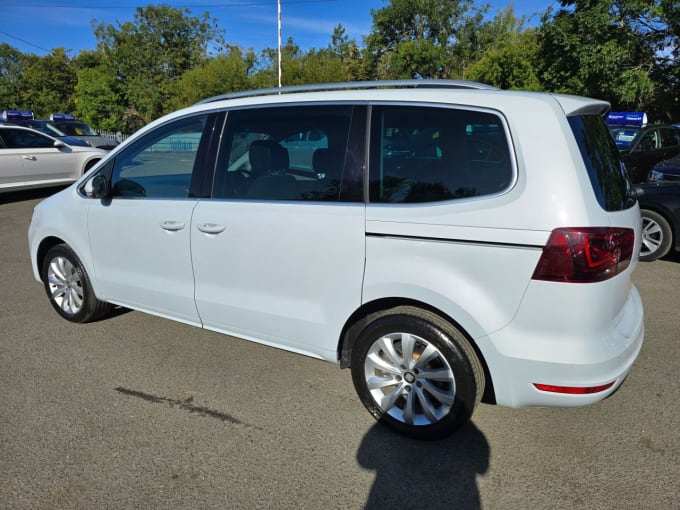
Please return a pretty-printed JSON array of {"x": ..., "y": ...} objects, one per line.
[
  {"x": 673, "y": 256},
  {"x": 424, "y": 474},
  {"x": 29, "y": 194}
]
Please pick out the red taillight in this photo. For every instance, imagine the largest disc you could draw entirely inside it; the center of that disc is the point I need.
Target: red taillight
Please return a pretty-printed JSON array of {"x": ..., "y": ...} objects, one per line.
[
  {"x": 574, "y": 390},
  {"x": 583, "y": 255}
]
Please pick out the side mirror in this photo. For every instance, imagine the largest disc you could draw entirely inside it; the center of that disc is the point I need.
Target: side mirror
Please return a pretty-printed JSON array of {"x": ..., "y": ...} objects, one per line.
[
  {"x": 58, "y": 144},
  {"x": 100, "y": 187}
]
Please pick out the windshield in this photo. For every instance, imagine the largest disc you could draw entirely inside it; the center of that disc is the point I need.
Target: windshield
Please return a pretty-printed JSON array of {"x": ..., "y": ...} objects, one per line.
[
  {"x": 76, "y": 129},
  {"x": 48, "y": 128}
]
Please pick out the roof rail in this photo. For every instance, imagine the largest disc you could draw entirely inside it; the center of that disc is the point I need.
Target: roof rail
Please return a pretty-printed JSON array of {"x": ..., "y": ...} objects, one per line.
[{"x": 353, "y": 85}]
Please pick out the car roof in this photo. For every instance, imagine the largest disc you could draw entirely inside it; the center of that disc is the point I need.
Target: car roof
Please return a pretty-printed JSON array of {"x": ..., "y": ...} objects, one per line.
[{"x": 445, "y": 92}]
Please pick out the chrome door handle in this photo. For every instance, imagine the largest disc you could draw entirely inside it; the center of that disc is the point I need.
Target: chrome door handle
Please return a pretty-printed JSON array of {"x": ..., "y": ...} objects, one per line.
[
  {"x": 172, "y": 226},
  {"x": 30, "y": 158},
  {"x": 211, "y": 228}
]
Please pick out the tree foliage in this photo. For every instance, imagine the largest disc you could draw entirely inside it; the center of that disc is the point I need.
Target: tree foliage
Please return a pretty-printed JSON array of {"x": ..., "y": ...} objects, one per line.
[
  {"x": 603, "y": 48},
  {"x": 624, "y": 51},
  {"x": 148, "y": 56}
]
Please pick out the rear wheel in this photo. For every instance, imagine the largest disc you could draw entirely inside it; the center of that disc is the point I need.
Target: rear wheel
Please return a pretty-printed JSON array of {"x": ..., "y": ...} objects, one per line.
[
  {"x": 416, "y": 373},
  {"x": 657, "y": 236},
  {"x": 68, "y": 286}
]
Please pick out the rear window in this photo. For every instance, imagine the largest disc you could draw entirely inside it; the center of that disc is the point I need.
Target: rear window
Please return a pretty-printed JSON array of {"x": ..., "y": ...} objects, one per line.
[{"x": 608, "y": 176}]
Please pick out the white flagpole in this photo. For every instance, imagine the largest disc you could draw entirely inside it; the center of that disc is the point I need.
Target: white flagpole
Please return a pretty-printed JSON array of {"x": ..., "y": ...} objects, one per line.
[{"x": 279, "y": 9}]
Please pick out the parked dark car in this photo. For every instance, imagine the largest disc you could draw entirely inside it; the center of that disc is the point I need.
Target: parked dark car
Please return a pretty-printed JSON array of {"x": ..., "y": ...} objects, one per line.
[
  {"x": 660, "y": 209},
  {"x": 667, "y": 170},
  {"x": 642, "y": 145}
]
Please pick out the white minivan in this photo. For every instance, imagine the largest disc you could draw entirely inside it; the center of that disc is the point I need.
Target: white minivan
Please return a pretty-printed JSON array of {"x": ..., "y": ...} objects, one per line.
[{"x": 447, "y": 241}]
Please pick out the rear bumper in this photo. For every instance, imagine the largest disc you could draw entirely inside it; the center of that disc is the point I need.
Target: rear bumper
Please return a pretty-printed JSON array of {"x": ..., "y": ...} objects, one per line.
[{"x": 517, "y": 360}]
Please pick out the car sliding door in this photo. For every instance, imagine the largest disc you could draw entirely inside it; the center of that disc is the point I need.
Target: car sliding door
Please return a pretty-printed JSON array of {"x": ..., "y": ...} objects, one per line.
[{"x": 278, "y": 250}]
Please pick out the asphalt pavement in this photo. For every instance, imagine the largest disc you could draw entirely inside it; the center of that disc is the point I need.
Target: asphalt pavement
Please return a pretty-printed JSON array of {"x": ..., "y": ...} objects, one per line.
[{"x": 139, "y": 412}]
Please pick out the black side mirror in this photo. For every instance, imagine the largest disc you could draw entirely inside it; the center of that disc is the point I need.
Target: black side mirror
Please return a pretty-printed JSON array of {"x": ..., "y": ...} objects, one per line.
[{"x": 100, "y": 187}]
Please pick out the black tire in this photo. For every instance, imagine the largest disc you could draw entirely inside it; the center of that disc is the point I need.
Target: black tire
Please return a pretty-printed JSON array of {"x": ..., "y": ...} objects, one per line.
[
  {"x": 657, "y": 236},
  {"x": 421, "y": 398},
  {"x": 68, "y": 286}
]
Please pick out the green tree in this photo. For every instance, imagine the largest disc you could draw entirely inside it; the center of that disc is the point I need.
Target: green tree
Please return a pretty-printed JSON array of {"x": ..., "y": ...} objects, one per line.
[
  {"x": 225, "y": 73},
  {"x": 332, "y": 64},
  {"x": 602, "y": 48},
  {"x": 511, "y": 57},
  {"x": 12, "y": 66},
  {"x": 424, "y": 39},
  {"x": 97, "y": 94},
  {"x": 149, "y": 55},
  {"x": 48, "y": 83},
  {"x": 349, "y": 53}
]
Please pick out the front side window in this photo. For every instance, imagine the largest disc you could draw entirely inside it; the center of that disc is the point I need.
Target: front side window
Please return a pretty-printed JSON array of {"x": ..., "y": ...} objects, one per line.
[
  {"x": 670, "y": 137},
  {"x": 287, "y": 153},
  {"x": 650, "y": 141},
  {"x": 159, "y": 165},
  {"x": 24, "y": 139},
  {"x": 432, "y": 154}
]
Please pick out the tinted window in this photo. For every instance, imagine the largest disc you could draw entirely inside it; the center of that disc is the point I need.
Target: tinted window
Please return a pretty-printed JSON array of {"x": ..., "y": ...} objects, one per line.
[
  {"x": 606, "y": 171},
  {"x": 289, "y": 153},
  {"x": 22, "y": 139},
  {"x": 650, "y": 141},
  {"x": 159, "y": 165},
  {"x": 670, "y": 137},
  {"x": 433, "y": 154},
  {"x": 624, "y": 136}
]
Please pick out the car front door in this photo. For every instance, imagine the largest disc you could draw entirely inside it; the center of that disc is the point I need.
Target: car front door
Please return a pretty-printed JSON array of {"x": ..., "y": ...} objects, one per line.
[
  {"x": 41, "y": 159},
  {"x": 140, "y": 237},
  {"x": 278, "y": 252}
]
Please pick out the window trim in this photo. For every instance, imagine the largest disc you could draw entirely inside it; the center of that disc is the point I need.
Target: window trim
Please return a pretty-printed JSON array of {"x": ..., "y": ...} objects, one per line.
[{"x": 446, "y": 106}]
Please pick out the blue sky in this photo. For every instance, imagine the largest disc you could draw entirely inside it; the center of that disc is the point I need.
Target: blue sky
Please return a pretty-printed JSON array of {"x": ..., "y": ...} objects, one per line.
[{"x": 37, "y": 26}]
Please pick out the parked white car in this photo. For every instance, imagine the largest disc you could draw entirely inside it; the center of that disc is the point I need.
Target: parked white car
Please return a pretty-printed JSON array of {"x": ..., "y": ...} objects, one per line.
[
  {"x": 31, "y": 159},
  {"x": 451, "y": 242}
]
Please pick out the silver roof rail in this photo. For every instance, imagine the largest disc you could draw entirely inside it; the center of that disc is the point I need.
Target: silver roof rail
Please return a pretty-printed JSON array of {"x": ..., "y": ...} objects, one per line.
[{"x": 353, "y": 85}]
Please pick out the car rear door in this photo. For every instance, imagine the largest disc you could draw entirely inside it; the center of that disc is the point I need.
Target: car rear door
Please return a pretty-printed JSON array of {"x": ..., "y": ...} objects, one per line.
[{"x": 278, "y": 252}]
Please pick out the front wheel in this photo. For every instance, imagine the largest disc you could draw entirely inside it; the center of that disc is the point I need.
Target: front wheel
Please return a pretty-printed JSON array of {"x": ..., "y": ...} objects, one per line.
[
  {"x": 416, "y": 373},
  {"x": 68, "y": 286},
  {"x": 657, "y": 236}
]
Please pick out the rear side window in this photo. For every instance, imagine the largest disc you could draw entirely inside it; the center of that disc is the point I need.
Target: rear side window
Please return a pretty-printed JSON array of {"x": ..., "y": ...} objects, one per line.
[
  {"x": 607, "y": 173},
  {"x": 427, "y": 154}
]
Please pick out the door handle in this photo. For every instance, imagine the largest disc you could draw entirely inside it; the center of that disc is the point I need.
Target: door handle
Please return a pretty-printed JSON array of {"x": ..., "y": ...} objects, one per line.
[
  {"x": 211, "y": 228},
  {"x": 172, "y": 226},
  {"x": 30, "y": 158}
]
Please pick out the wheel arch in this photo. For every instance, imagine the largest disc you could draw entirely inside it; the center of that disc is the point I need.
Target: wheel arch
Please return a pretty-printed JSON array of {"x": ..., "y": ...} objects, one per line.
[
  {"x": 45, "y": 245},
  {"x": 363, "y": 316},
  {"x": 89, "y": 164}
]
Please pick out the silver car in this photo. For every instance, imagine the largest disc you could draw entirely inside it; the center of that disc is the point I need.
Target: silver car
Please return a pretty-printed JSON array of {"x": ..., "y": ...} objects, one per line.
[{"x": 31, "y": 159}]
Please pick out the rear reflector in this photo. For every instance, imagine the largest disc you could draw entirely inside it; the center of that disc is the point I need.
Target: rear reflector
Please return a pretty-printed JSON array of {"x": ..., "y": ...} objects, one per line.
[
  {"x": 585, "y": 255},
  {"x": 574, "y": 390}
]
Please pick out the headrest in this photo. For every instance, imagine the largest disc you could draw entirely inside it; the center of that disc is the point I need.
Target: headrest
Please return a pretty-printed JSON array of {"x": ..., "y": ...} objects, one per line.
[{"x": 267, "y": 156}]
